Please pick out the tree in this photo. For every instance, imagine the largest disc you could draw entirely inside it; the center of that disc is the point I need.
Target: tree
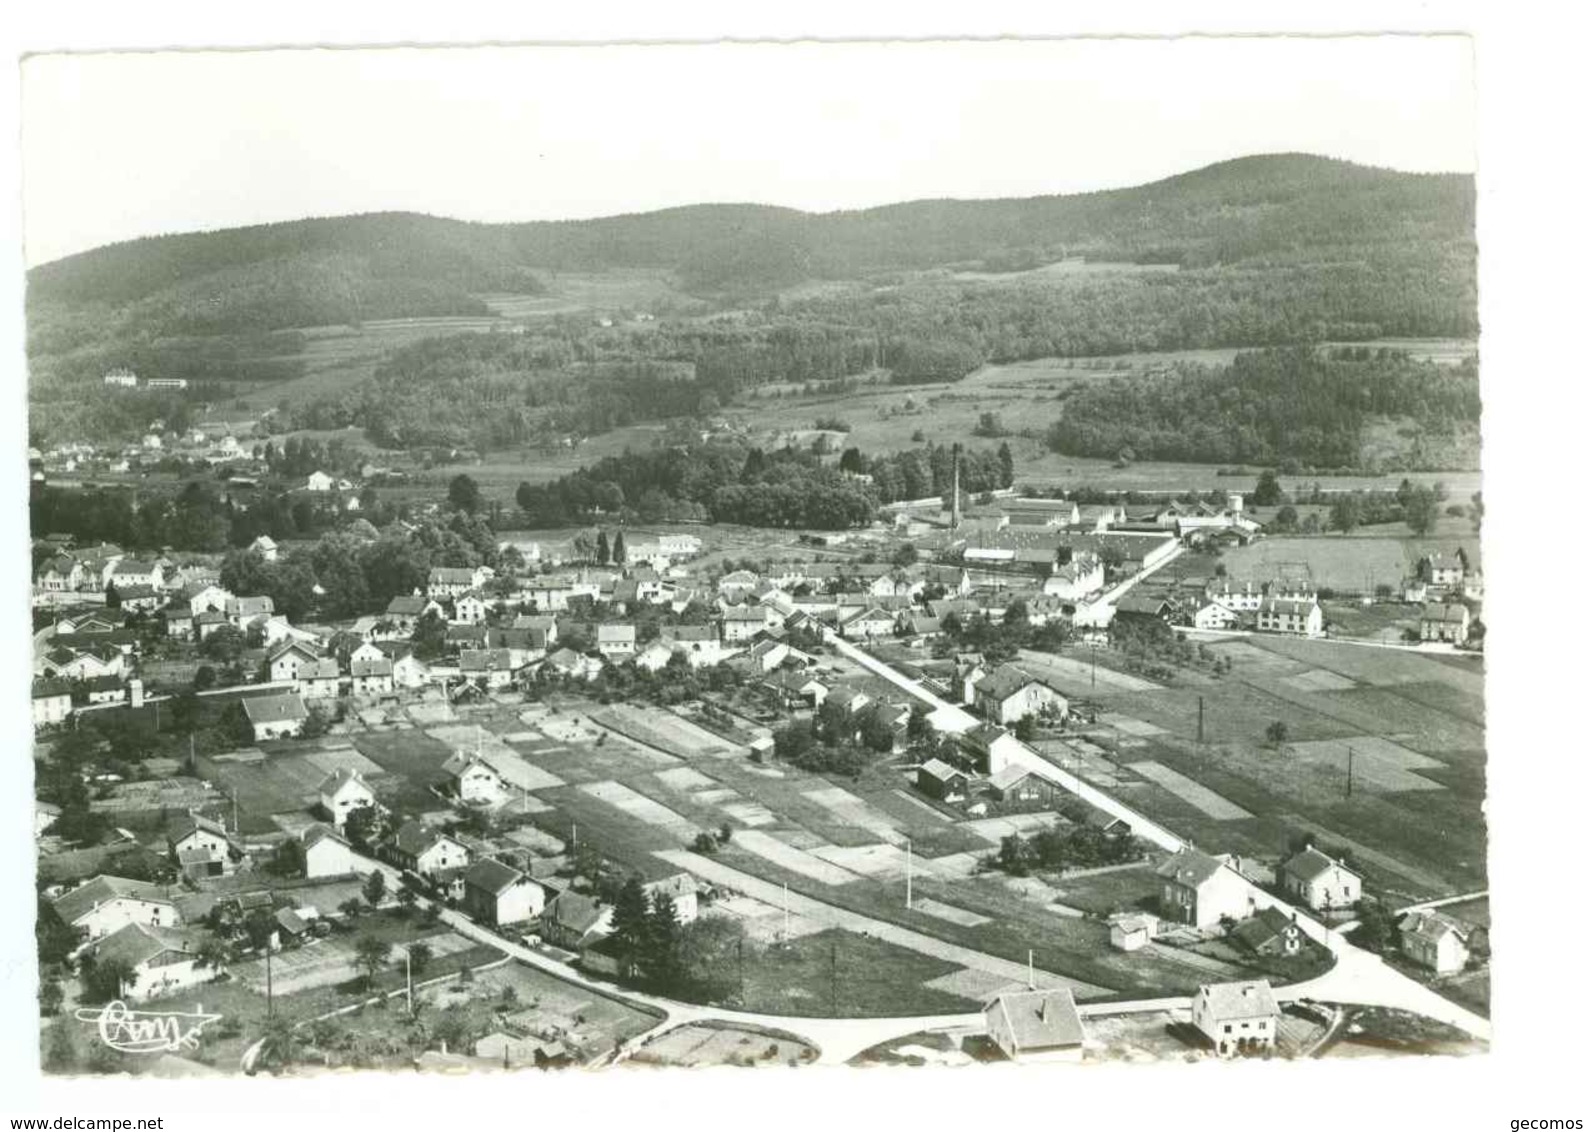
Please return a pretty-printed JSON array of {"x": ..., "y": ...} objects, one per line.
[
  {"x": 224, "y": 643},
  {"x": 602, "y": 548},
  {"x": 211, "y": 953},
  {"x": 919, "y": 729},
  {"x": 279, "y": 1044},
  {"x": 1377, "y": 928},
  {"x": 1004, "y": 461},
  {"x": 1016, "y": 857},
  {"x": 315, "y": 723},
  {"x": 375, "y": 888},
  {"x": 234, "y": 723},
  {"x": 60, "y": 1051},
  {"x": 1421, "y": 510},
  {"x": 464, "y": 494},
  {"x": 105, "y": 980},
  {"x": 113, "y": 597},
  {"x": 583, "y": 546},
  {"x": 420, "y": 956},
  {"x": 618, "y": 553},
  {"x": 430, "y": 637},
  {"x": 360, "y": 826},
  {"x": 1024, "y": 728},
  {"x": 1277, "y": 733},
  {"x": 1287, "y": 518},
  {"x": 630, "y": 924},
  {"x": 1268, "y": 492},
  {"x": 50, "y": 998},
  {"x": 1345, "y": 514},
  {"x": 407, "y": 899},
  {"x": 370, "y": 956}
]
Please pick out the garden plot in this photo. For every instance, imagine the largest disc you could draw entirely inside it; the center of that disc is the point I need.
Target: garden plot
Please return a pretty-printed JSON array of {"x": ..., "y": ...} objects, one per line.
[
  {"x": 1251, "y": 660},
  {"x": 1068, "y": 671},
  {"x": 503, "y": 758},
  {"x": 641, "y": 807},
  {"x": 424, "y": 714},
  {"x": 663, "y": 730},
  {"x": 1379, "y": 763},
  {"x": 1318, "y": 680},
  {"x": 799, "y": 861},
  {"x": 1207, "y": 801},
  {"x": 536, "y": 840},
  {"x": 919, "y": 804},
  {"x": 972, "y": 983},
  {"x": 959, "y": 916},
  {"x": 1430, "y": 882},
  {"x": 955, "y": 866},
  {"x": 764, "y": 923},
  {"x": 994, "y": 829},
  {"x": 1130, "y": 726},
  {"x": 560, "y": 728},
  {"x": 849, "y": 809},
  {"x": 799, "y": 838},
  {"x": 685, "y": 778},
  {"x": 330, "y": 761},
  {"x": 882, "y": 862},
  {"x": 749, "y": 813}
]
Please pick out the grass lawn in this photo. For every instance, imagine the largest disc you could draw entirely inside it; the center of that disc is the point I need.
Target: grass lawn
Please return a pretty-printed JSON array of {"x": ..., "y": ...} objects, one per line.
[
  {"x": 411, "y": 753},
  {"x": 838, "y": 974},
  {"x": 1122, "y": 890}
]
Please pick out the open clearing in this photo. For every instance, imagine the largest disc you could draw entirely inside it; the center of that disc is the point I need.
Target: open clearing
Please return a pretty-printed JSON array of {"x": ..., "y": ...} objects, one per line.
[
  {"x": 641, "y": 807},
  {"x": 1208, "y": 802},
  {"x": 1069, "y": 674},
  {"x": 1379, "y": 764},
  {"x": 798, "y": 861},
  {"x": 994, "y": 829},
  {"x": 852, "y": 810}
]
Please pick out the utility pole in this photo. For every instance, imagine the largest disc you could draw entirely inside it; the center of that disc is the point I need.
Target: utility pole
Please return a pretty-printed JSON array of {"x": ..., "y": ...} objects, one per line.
[
  {"x": 1031, "y": 968},
  {"x": 271, "y": 1006},
  {"x": 785, "y": 906},
  {"x": 409, "y": 986},
  {"x": 1200, "y": 722},
  {"x": 1349, "y": 772},
  {"x": 909, "y": 872},
  {"x": 835, "y": 1010}
]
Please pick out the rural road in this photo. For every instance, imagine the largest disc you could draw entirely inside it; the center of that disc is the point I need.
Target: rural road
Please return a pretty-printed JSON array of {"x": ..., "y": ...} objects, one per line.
[{"x": 1358, "y": 977}]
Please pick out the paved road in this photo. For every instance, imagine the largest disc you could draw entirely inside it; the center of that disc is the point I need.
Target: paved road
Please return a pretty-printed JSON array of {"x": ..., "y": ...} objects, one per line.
[
  {"x": 1358, "y": 977},
  {"x": 1443, "y": 902}
]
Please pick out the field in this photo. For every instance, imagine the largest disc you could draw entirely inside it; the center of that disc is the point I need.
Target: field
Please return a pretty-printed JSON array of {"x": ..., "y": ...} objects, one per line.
[
  {"x": 264, "y": 785},
  {"x": 696, "y": 1045},
  {"x": 841, "y": 974}
]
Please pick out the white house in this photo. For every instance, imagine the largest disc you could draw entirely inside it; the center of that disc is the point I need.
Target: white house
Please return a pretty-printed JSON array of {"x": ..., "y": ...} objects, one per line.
[
  {"x": 286, "y": 662},
  {"x": 371, "y": 677},
  {"x": 52, "y": 703},
  {"x": 342, "y": 792},
  {"x": 1009, "y": 693},
  {"x": 741, "y": 623},
  {"x": 159, "y": 960},
  {"x": 274, "y": 717},
  {"x": 1288, "y": 615},
  {"x": 418, "y": 848},
  {"x": 1131, "y": 931},
  {"x": 1036, "y": 1026},
  {"x": 1446, "y": 621},
  {"x": 266, "y": 547},
  {"x": 1319, "y": 882},
  {"x": 496, "y": 894},
  {"x": 455, "y": 581},
  {"x": 469, "y": 609},
  {"x": 1436, "y": 941},
  {"x": 327, "y": 854},
  {"x": 616, "y": 642},
  {"x": 106, "y": 904},
  {"x": 1200, "y": 890},
  {"x": 471, "y": 779},
  {"x": 1236, "y": 1017},
  {"x": 200, "y": 847},
  {"x": 319, "y": 481}
]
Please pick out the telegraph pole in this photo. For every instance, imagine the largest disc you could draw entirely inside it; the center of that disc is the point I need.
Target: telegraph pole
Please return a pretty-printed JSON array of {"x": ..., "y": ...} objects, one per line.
[
  {"x": 835, "y": 1011},
  {"x": 1200, "y": 722},
  {"x": 1349, "y": 772},
  {"x": 271, "y": 1006},
  {"x": 409, "y": 986},
  {"x": 909, "y": 872}
]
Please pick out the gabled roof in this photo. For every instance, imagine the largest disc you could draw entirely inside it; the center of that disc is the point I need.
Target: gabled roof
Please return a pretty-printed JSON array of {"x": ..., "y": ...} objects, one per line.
[
  {"x": 1236, "y": 1001},
  {"x": 1310, "y": 863},
  {"x": 416, "y": 837},
  {"x": 323, "y": 669},
  {"x": 1261, "y": 929},
  {"x": 338, "y": 779},
  {"x": 1009, "y": 776},
  {"x": 274, "y": 709},
  {"x": 1189, "y": 867},
  {"x": 453, "y": 575},
  {"x": 294, "y": 646},
  {"x": 574, "y": 911},
  {"x": 195, "y": 823},
  {"x": 1005, "y": 682},
  {"x": 318, "y": 833},
  {"x": 616, "y": 633},
  {"x": 944, "y": 772},
  {"x": 136, "y": 944},
  {"x": 362, "y": 668},
  {"x": 1450, "y": 613},
  {"x": 402, "y": 606},
  {"x": 73, "y": 906},
  {"x": 492, "y": 876},
  {"x": 1039, "y": 1019},
  {"x": 1433, "y": 926}
]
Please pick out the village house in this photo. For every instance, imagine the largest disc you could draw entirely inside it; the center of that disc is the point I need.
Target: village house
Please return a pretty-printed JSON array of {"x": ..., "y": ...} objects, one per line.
[
  {"x": 320, "y": 679},
  {"x": 470, "y": 609},
  {"x": 1438, "y": 942},
  {"x": 1215, "y": 615},
  {"x": 1270, "y": 933},
  {"x": 741, "y": 623},
  {"x": 275, "y": 717},
  {"x": 420, "y": 849},
  {"x": 52, "y": 702},
  {"x": 737, "y": 584},
  {"x": 200, "y": 847},
  {"x": 61, "y": 574},
  {"x": 1318, "y": 881},
  {"x": 130, "y": 572},
  {"x": 1017, "y": 785},
  {"x": 404, "y": 613},
  {"x": 496, "y": 894},
  {"x": 616, "y": 642},
  {"x": 327, "y": 853},
  {"x": 681, "y": 889},
  {"x": 106, "y": 904},
  {"x": 202, "y": 596},
  {"x": 1289, "y": 615},
  {"x": 1009, "y": 693},
  {"x": 1236, "y": 1018},
  {"x": 243, "y": 610},
  {"x": 1130, "y": 931},
  {"x": 342, "y": 792},
  {"x": 943, "y": 781},
  {"x": 285, "y": 664},
  {"x": 1447, "y": 621},
  {"x": 140, "y": 599},
  {"x": 1073, "y": 577},
  {"x": 542, "y": 627},
  {"x": 490, "y": 668},
  {"x": 266, "y": 547},
  {"x": 1036, "y": 1026},
  {"x": 158, "y": 960},
  {"x": 371, "y": 677},
  {"x": 409, "y": 671},
  {"x": 471, "y": 779},
  {"x": 455, "y": 581},
  {"x": 868, "y": 624},
  {"x": 572, "y": 920},
  {"x": 1200, "y": 890},
  {"x": 1442, "y": 570},
  {"x": 209, "y": 621}
]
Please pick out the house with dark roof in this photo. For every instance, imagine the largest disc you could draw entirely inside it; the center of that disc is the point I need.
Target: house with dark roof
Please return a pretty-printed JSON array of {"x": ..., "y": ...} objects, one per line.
[
  {"x": 1446, "y": 621},
  {"x": 1036, "y": 1025},
  {"x": 201, "y": 847},
  {"x": 371, "y": 677},
  {"x": 1009, "y": 693},
  {"x": 1200, "y": 890},
  {"x": 1237, "y": 1018},
  {"x": 273, "y": 717},
  {"x": 496, "y": 894},
  {"x": 158, "y": 959},
  {"x": 98, "y": 907},
  {"x": 1438, "y": 942},
  {"x": 943, "y": 781},
  {"x": 418, "y": 848},
  {"x": 572, "y": 920},
  {"x": 342, "y": 792},
  {"x": 1319, "y": 882},
  {"x": 1271, "y": 932}
]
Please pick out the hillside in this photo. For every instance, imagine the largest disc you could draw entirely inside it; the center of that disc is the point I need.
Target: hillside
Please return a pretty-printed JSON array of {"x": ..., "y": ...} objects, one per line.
[{"x": 1259, "y": 251}]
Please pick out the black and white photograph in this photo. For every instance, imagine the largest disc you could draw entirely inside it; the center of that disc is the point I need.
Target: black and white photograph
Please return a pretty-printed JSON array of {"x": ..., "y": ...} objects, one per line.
[{"x": 786, "y": 555}]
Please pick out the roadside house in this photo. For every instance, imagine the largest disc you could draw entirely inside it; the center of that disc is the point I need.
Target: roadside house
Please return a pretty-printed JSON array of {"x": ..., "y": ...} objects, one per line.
[
  {"x": 496, "y": 894},
  {"x": 1236, "y": 1017},
  {"x": 1318, "y": 881},
  {"x": 1036, "y": 1026},
  {"x": 1200, "y": 890}
]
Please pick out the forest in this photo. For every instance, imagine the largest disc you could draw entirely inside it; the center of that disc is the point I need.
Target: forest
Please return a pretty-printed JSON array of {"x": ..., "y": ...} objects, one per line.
[{"x": 1292, "y": 407}]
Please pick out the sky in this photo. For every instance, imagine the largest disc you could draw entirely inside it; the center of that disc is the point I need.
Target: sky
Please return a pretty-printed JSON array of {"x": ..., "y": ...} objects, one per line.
[{"x": 117, "y": 146}]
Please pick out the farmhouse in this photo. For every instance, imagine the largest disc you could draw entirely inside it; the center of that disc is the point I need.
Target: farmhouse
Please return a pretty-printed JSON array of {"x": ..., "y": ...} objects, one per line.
[
  {"x": 1009, "y": 693},
  {"x": 742, "y": 623},
  {"x": 1438, "y": 942},
  {"x": 320, "y": 679},
  {"x": 158, "y": 959},
  {"x": 868, "y": 623},
  {"x": 1290, "y": 615},
  {"x": 1017, "y": 785},
  {"x": 106, "y": 904},
  {"x": 1443, "y": 570},
  {"x": 406, "y": 612},
  {"x": 470, "y": 609},
  {"x": 469, "y": 778},
  {"x": 1036, "y": 1026},
  {"x": 616, "y": 642},
  {"x": 319, "y": 481},
  {"x": 681, "y": 890},
  {"x": 418, "y": 848},
  {"x": 1144, "y": 607},
  {"x": 1319, "y": 882},
  {"x": 371, "y": 677},
  {"x": 1448, "y": 621},
  {"x": 343, "y": 792},
  {"x": 1200, "y": 890},
  {"x": 455, "y": 581},
  {"x": 496, "y": 894},
  {"x": 200, "y": 847},
  {"x": 1215, "y": 615},
  {"x": 1270, "y": 932},
  {"x": 273, "y": 717},
  {"x": 1236, "y": 1017},
  {"x": 52, "y": 702},
  {"x": 572, "y": 919}
]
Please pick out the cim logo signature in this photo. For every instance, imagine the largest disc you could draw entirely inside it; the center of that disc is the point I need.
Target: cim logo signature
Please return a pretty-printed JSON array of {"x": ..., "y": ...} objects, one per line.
[{"x": 147, "y": 1031}]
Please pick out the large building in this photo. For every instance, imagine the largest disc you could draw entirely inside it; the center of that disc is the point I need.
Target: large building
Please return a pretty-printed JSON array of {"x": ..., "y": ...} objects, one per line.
[
  {"x": 1237, "y": 1018},
  {"x": 1200, "y": 890},
  {"x": 1009, "y": 693},
  {"x": 1036, "y": 1025}
]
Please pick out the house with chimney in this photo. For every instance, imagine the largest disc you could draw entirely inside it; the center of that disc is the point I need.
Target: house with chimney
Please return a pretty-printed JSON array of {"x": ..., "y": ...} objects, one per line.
[
  {"x": 1237, "y": 1018},
  {"x": 1200, "y": 890},
  {"x": 1319, "y": 882},
  {"x": 1036, "y": 1026}
]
